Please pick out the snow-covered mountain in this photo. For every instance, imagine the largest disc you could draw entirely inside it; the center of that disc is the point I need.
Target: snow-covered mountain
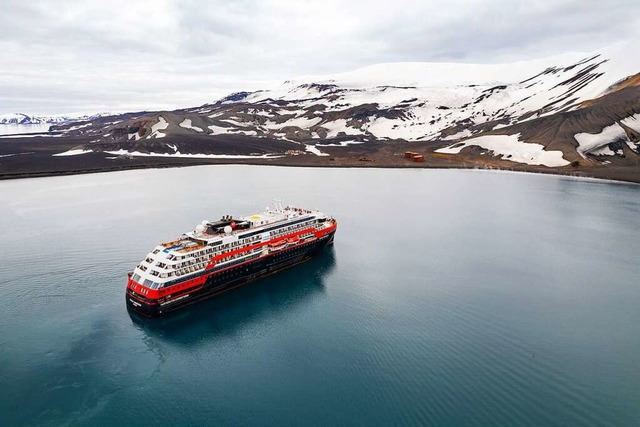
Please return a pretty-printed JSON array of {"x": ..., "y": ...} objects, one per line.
[
  {"x": 19, "y": 119},
  {"x": 551, "y": 112},
  {"x": 29, "y": 119}
]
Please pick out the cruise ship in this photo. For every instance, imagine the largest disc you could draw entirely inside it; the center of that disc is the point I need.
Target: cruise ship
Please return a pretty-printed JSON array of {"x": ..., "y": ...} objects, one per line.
[{"x": 221, "y": 255}]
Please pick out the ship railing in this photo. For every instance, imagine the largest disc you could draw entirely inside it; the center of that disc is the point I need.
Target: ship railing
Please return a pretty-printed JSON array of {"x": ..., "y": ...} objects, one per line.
[
  {"x": 171, "y": 243},
  {"x": 191, "y": 248}
]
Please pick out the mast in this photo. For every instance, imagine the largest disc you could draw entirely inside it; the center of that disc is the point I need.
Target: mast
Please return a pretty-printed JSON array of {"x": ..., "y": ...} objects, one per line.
[{"x": 277, "y": 204}]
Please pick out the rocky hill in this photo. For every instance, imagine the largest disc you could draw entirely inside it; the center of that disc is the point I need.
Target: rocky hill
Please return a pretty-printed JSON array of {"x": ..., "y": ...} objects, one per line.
[{"x": 564, "y": 114}]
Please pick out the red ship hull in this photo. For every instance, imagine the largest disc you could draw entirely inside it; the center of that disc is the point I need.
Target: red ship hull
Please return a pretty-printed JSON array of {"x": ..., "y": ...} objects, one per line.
[{"x": 213, "y": 281}]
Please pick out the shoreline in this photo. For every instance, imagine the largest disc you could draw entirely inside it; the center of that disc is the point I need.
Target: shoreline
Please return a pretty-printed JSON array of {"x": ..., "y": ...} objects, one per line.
[
  {"x": 39, "y": 157},
  {"x": 580, "y": 175}
]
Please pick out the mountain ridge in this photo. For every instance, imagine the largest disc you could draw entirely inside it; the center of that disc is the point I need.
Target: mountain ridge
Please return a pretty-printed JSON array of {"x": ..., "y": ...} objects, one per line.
[
  {"x": 582, "y": 109},
  {"x": 31, "y": 119}
]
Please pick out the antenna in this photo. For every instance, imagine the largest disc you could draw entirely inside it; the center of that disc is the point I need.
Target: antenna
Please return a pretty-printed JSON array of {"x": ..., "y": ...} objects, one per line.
[{"x": 277, "y": 204}]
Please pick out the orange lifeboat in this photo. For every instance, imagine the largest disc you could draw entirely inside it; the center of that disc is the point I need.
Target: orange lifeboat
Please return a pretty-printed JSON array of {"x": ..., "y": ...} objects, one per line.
[{"x": 277, "y": 245}]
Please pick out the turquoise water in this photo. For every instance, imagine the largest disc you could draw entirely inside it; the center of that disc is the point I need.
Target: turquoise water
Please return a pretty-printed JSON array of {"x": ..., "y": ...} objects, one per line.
[{"x": 449, "y": 298}]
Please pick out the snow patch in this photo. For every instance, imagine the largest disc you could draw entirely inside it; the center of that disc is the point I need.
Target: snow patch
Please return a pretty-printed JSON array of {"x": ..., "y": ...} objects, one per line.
[
  {"x": 343, "y": 143},
  {"x": 74, "y": 152},
  {"x": 590, "y": 142},
  {"x": 39, "y": 135},
  {"x": 335, "y": 127},
  {"x": 236, "y": 123},
  {"x": 122, "y": 152},
  {"x": 155, "y": 129},
  {"x": 603, "y": 151},
  {"x": 511, "y": 148},
  {"x": 78, "y": 127},
  {"x": 314, "y": 150},
  {"x": 219, "y": 130},
  {"x": 300, "y": 122},
  {"x": 186, "y": 123},
  {"x": 633, "y": 122},
  {"x": 462, "y": 134}
]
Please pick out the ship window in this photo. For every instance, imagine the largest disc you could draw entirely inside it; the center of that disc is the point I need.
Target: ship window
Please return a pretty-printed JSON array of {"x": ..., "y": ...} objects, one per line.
[
  {"x": 155, "y": 251},
  {"x": 136, "y": 278}
]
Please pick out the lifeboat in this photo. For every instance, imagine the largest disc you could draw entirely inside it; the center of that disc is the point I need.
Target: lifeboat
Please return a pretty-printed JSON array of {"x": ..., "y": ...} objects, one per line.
[{"x": 277, "y": 245}]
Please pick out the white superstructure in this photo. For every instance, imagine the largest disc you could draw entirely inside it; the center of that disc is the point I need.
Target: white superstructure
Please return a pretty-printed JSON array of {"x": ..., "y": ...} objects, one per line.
[{"x": 217, "y": 244}]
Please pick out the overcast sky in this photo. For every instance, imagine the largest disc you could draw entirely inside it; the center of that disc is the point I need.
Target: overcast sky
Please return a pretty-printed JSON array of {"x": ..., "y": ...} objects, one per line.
[{"x": 123, "y": 55}]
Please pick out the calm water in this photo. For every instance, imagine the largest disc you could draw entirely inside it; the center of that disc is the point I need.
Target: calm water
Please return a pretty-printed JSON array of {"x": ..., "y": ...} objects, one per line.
[
  {"x": 449, "y": 298},
  {"x": 22, "y": 129}
]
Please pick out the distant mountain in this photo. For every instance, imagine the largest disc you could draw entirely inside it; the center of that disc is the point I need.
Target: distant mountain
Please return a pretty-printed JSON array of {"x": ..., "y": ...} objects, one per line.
[
  {"x": 26, "y": 119},
  {"x": 563, "y": 110},
  {"x": 18, "y": 119}
]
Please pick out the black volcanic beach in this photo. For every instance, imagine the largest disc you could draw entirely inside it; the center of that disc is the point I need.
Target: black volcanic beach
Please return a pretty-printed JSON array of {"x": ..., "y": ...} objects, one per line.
[{"x": 25, "y": 157}]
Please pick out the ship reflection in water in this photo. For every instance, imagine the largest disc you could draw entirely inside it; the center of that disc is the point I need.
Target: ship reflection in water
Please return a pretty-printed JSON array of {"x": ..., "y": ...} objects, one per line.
[{"x": 228, "y": 313}]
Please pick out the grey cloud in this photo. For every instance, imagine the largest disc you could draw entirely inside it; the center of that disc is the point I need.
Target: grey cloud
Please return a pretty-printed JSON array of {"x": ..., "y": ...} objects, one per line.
[
  {"x": 118, "y": 55},
  {"x": 499, "y": 30}
]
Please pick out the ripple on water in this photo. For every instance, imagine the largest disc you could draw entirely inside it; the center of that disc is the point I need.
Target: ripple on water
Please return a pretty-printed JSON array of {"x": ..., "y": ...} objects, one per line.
[{"x": 480, "y": 299}]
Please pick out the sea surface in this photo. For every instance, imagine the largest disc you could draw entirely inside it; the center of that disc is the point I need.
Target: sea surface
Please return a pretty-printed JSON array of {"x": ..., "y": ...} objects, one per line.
[
  {"x": 23, "y": 129},
  {"x": 450, "y": 298}
]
